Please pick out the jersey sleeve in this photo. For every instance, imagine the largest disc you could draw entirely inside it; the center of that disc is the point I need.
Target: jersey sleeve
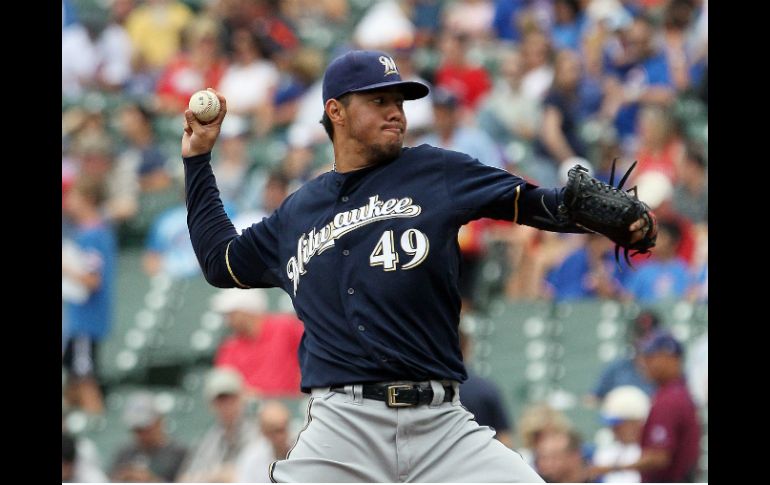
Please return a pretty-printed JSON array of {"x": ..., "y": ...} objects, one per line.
[
  {"x": 477, "y": 190},
  {"x": 227, "y": 259}
]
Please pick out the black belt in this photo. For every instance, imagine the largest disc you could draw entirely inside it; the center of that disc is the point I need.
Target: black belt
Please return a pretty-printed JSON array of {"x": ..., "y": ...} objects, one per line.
[{"x": 401, "y": 395}]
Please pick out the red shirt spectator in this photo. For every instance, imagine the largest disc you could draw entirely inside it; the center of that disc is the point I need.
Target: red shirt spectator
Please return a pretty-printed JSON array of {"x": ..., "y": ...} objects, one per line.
[
  {"x": 263, "y": 347},
  {"x": 181, "y": 79},
  {"x": 673, "y": 425},
  {"x": 671, "y": 435},
  {"x": 469, "y": 83}
]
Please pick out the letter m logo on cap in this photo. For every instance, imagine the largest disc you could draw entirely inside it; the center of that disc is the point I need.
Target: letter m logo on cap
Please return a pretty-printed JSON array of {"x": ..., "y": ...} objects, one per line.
[{"x": 390, "y": 65}]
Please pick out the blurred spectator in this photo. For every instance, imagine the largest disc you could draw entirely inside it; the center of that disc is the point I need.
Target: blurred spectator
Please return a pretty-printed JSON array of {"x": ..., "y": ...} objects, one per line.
[
  {"x": 156, "y": 27},
  {"x": 426, "y": 17},
  {"x": 297, "y": 165},
  {"x": 268, "y": 19},
  {"x": 135, "y": 124},
  {"x": 559, "y": 458},
  {"x": 263, "y": 347},
  {"x": 470, "y": 17},
  {"x": 458, "y": 74},
  {"x": 89, "y": 321},
  {"x": 239, "y": 180},
  {"x": 536, "y": 51},
  {"x": 199, "y": 66},
  {"x": 508, "y": 114},
  {"x": 152, "y": 456},
  {"x": 571, "y": 101},
  {"x": 87, "y": 462},
  {"x": 628, "y": 370},
  {"x": 660, "y": 147},
  {"x": 624, "y": 409},
  {"x": 385, "y": 24},
  {"x": 167, "y": 246},
  {"x": 537, "y": 421},
  {"x": 272, "y": 194},
  {"x": 96, "y": 54},
  {"x": 298, "y": 71},
  {"x": 306, "y": 130},
  {"x": 690, "y": 197},
  {"x": 483, "y": 398},
  {"x": 68, "y": 457},
  {"x": 506, "y": 19},
  {"x": 637, "y": 75},
  {"x": 158, "y": 193},
  {"x": 94, "y": 158},
  {"x": 684, "y": 51},
  {"x": 168, "y": 249},
  {"x": 665, "y": 277},
  {"x": 273, "y": 444},
  {"x": 450, "y": 132},
  {"x": 671, "y": 435},
  {"x": 588, "y": 272},
  {"x": 213, "y": 458},
  {"x": 249, "y": 82},
  {"x": 569, "y": 22}
]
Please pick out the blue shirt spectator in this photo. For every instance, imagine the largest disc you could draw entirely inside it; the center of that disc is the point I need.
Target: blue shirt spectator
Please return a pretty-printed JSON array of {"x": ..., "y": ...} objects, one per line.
[
  {"x": 622, "y": 372},
  {"x": 506, "y": 16},
  {"x": 94, "y": 316},
  {"x": 659, "y": 280}
]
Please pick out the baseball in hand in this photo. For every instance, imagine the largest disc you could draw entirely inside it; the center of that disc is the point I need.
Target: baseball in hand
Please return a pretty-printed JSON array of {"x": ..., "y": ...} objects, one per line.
[{"x": 204, "y": 105}]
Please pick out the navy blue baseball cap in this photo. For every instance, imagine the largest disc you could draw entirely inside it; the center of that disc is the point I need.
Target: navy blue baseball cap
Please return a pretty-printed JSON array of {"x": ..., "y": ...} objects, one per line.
[
  {"x": 662, "y": 341},
  {"x": 358, "y": 71}
]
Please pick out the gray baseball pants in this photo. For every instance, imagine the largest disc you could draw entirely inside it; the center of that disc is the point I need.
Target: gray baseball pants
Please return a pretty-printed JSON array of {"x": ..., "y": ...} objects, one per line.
[{"x": 347, "y": 438}]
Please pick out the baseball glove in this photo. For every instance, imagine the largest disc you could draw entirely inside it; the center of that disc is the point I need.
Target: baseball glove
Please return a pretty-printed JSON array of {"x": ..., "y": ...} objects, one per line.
[{"x": 608, "y": 210}]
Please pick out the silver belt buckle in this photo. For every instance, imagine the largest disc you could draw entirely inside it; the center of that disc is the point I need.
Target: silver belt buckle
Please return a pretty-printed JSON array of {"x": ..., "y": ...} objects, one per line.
[{"x": 392, "y": 394}]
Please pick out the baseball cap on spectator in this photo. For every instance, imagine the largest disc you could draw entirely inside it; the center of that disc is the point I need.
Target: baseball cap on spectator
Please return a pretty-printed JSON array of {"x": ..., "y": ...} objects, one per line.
[
  {"x": 360, "y": 70},
  {"x": 662, "y": 341},
  {"x": 152, "y": 160},
  {"x": 625, "y": 403},
  {"x": 445, "y": 98},
  {"x": 233, "y": 299},
  {"x": 221, "y": 381},
  {"x": 140, "y": 411}
]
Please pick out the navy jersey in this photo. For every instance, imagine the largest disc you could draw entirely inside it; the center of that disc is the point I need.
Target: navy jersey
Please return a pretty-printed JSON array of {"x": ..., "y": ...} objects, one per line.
[{"x": 370, "y": 258}]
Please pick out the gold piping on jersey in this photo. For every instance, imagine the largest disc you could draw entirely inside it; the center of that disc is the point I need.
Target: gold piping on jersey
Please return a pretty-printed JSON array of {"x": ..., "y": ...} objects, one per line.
[
  {"x": 516, "y": 205},
  {"x": 229, "y": 269}
]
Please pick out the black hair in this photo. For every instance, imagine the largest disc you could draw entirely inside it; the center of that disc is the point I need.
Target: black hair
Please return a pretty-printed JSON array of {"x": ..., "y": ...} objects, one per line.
[{"x": 327, "y": 122}]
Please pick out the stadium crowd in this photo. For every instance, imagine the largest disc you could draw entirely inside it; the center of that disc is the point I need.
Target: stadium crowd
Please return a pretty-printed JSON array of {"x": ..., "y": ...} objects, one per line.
[{"x": 530, "y": 86}]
